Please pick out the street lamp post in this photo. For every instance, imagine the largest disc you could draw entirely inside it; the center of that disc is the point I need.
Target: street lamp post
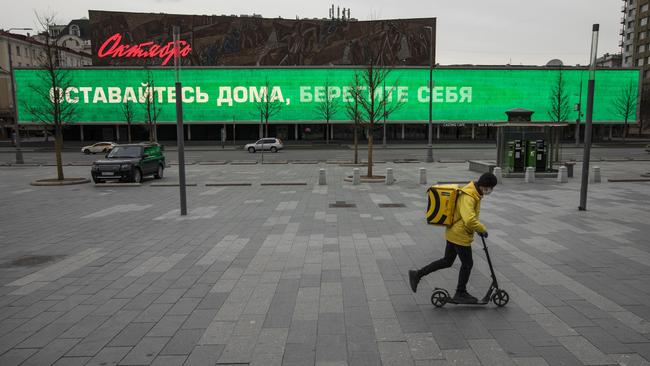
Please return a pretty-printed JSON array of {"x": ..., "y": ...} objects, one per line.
[
  {"x": 180, "y": 135},
  {"x": 19, "y": 152},
  {"x": 430, "y": 129},
  {"x": 590, "y": 108}
]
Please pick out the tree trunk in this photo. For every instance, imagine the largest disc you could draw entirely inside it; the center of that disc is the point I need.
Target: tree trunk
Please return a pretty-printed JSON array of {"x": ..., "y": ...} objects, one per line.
[
  {"x": 58, "y": 145},
  {"x": 625, "y": 132},
  {"x": 356, "y": 145},
  {"x": 128, "y": 131},
  {"x": 370, "y": 141},
  {"x": 327, "y": 132}
]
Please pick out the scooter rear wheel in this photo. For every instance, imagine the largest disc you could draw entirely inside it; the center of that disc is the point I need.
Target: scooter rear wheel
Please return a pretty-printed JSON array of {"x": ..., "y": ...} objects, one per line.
[
  {"x": 439, "y": 298},
  {"x": 500, "y": 298}
]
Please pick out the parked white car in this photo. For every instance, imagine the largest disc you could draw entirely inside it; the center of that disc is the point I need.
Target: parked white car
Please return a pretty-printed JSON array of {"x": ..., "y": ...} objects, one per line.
[
  {"x": 100, "y": 147},
  {"x": 270, "y": 143}
]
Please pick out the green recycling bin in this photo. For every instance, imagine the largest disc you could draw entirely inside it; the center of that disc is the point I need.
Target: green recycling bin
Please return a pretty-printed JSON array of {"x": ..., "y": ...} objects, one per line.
[
  {"x": 510, "y": 156},
  {"x": 531, "y": 154}
]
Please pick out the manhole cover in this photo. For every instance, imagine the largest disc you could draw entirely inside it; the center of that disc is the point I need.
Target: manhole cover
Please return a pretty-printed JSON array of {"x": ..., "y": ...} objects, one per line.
[
  {"x": 342, "y": 204},
  {"x": 33, "y": 260},
  {"x": 391, "y": 205}
]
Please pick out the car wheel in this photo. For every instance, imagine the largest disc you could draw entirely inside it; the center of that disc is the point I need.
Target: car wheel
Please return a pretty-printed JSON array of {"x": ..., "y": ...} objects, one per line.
[
  {"x": 251, "y": 149},
  {"x": 159, "y": 172},
  {"x": 274, "y": 149},
  {"x": 86, "y": 151},
  {"x": 137, "y": 176},
  {"x": 97, "y": 180}
]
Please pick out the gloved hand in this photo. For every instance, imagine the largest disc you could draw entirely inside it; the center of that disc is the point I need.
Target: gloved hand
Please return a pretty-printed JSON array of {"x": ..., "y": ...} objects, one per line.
[{"x": 483, "y": 235}]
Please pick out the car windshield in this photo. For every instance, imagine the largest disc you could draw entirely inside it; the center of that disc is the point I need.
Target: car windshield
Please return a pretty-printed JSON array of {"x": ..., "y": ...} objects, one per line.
[{"x": 125, "y": 152}]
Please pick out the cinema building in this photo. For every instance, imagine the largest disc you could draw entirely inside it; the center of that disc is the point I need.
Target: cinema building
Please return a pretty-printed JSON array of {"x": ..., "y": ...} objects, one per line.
[{"x": 232, "y": 65}]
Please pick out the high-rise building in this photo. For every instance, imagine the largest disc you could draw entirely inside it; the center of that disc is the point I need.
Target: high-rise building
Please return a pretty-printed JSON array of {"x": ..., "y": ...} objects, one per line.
[{"x": 628, "y": 10}]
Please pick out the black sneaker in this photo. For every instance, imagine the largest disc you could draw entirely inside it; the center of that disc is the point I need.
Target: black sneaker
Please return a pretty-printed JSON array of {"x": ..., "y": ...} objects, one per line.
[
  {"x": 414, "y": 279},
  {"x": 464, "y": 298}
]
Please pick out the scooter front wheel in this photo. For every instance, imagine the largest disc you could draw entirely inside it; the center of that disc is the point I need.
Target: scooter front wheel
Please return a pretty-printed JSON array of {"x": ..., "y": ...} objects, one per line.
[
  {"x": 500, "y": 298},
  {"x": 439, "y": 298}
]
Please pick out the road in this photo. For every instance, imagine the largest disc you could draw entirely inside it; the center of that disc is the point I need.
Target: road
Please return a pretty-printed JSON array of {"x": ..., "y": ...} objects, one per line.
[{"x": 196, "y": 154}]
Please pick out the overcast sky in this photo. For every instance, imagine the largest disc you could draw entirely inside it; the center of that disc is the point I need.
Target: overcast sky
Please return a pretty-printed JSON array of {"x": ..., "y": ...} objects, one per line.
[{"x": 528, "y": 32}]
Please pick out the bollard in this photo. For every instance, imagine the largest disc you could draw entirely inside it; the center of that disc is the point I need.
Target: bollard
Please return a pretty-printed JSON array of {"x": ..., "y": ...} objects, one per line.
[
  {"x": 423, "y": 176},
  {"x": 562, "y": 175},
  {"x": 322, "y": 179},
  {"x": 498, "y": 173},
  {"x": 389, "y": 176},
  {"x": 356, "y": 179},
  {"x": 595, "y": 176},
  {"x": 529, "y": 177}
]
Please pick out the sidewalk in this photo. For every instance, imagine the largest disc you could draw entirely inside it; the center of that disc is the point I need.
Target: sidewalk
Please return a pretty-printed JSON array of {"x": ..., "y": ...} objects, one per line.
[{"x": 281, "y": 275}]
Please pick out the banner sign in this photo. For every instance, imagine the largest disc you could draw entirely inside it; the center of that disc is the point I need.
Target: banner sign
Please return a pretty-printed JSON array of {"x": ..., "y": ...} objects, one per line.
[{"x": 230, "y": 95}]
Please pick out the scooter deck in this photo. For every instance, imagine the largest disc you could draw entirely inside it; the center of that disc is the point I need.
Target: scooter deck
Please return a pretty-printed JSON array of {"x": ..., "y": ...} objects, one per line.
[{"x": 450, "y": 301}]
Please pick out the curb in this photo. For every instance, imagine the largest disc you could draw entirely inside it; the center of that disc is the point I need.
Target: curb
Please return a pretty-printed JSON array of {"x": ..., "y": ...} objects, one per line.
[{"x": 55, "y": 182}]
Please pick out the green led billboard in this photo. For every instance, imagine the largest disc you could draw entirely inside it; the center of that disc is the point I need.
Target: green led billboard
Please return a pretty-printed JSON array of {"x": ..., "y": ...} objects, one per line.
[{"x": 218, "y": 95}]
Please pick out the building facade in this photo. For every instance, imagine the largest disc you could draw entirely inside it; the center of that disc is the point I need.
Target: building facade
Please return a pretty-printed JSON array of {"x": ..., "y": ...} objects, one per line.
[
  {"x": 27, "y": 52},
  {"x": 635, "y": 47}
]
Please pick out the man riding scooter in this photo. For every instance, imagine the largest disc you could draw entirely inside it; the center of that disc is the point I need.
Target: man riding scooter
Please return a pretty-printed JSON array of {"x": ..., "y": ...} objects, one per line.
[{"x": 460, "y": 236}]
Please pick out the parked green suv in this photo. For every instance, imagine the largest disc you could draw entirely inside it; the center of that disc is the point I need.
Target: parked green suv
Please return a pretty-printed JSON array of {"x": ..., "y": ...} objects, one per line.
[{"x": 129, "y": 163}]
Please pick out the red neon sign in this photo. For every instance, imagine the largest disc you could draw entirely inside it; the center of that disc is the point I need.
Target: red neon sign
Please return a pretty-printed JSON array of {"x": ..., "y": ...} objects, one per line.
[{"x": 113, "y": 48}]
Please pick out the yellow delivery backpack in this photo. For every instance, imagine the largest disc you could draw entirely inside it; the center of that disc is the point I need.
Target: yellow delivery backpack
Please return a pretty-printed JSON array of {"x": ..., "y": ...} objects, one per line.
[{"x": 442, "y": 203}]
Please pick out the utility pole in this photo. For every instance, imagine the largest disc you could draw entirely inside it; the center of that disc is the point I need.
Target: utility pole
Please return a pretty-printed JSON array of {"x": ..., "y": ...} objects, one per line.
[
  {"x": 430, "y": 129},
  {"x": 588, "y": 122}
]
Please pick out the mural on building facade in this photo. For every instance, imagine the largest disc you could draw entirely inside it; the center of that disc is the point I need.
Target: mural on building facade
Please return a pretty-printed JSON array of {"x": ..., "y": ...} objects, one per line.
[{"x": 254, "y": 41}]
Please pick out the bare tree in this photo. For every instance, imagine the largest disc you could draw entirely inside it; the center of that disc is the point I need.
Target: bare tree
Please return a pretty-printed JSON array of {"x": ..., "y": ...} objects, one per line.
[
  {"x": 354, "y": 112},
  {"x": 151, "y": 106},
  {"x": 51, "y": 105},
  {"x": 327, "y": 108},
  {"x": 625, "y": 104},
  {"x": 374, "y": 100},
  {"x": 129, "y": 113},
  {"x": 559, "y": 110},
  {"x": 267, "y": 105}
]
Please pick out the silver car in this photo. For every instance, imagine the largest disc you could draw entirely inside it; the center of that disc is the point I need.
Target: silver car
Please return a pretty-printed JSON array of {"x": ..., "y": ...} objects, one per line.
[
  {"x": 270, "y": 143},
  {"x": 100, "y": 147}
]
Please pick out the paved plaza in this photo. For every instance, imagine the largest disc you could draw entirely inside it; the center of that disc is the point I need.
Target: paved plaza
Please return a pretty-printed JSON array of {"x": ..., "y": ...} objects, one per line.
[{"x": 283, "y": 275}]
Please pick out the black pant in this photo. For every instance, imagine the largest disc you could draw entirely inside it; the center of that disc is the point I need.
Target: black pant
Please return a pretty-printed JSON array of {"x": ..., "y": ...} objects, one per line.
[{"x": 465, "y": 255}]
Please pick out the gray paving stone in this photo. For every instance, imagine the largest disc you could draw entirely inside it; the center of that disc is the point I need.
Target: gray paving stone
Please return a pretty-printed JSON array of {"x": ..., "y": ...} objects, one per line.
[
  {"x": 331, "y": 348},
  {"x": 423, "y": 347},
  {"x": 51, "y": 353},
  {"x": 145, "y": 351},
  {"x": 109, "y": 356},
  {"x": 238, "y": 350},
  {"x": 204, "y": 355},
  {"x": 153, "y": 313},
  {"x": 183, "y": 342},
  {"x": 303, "y": 331},
  {"x": 512, "y": 342},
  {"x": 167, "y": 326},
  {"x": 131, "y": 335},
  {"x": 558, "y": 356},
  {"x": 169, "y": 361},
  {"x": 489, "y": 352},
  {"x": 586, "y": 352},
  {"x": 72, "y": 361},
  {"x": 448, "y": 337},
  {"x": 331, "y": 323},
  {"x": 96, "y": 340},
  {"x": 600, "y": 338},
  {"x": 16, "y": 356},
  {"x": 464, "y": 357},
  {"x": 299, "y": 354}
]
